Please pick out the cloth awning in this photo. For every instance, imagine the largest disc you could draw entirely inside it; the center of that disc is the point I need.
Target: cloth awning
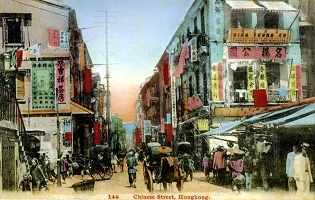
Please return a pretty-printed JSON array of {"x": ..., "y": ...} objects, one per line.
[
  {"x": 309, "y": 120},
  {"x": 305, "y": 110},
  {"x": 277, "y": 6},
  {"x": 265, "y": 116},
  {"x": 34, "y": 131},
  {"x": 243, "y": 6},
  {"x": 222, "y": 129}
]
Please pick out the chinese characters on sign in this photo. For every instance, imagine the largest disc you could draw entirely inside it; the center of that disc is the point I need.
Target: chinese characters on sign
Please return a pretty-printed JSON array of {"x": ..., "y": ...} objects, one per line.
[
  {"x": 264, "y": 36},
  {"x": 262, "y": 77},
  {"x": 217, "y": 82},
  {"x": 43, "y": 85},
  {"x": 251, "y": 82},
  {"x": 60, "y": 81},
  {"x": 58, "y": 38},
  {"x": 251, "y": 52}
]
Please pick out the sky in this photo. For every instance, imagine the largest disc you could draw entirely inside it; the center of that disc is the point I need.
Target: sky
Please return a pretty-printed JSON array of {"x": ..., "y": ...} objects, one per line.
[{"x": 138, "y": 33}]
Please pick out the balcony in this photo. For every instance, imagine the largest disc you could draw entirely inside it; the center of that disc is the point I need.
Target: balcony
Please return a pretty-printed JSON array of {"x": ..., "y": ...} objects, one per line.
[{"x": 274, "y": 95}]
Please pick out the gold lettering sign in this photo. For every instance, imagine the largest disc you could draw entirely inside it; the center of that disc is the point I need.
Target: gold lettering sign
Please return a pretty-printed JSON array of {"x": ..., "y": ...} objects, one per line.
[{"x": 262, "y": 36}]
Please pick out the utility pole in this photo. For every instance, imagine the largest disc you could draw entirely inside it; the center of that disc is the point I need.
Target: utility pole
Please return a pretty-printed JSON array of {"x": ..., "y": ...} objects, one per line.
[
  {"x": 58, "y": 143},
  {"x": 108, "y": 103}
]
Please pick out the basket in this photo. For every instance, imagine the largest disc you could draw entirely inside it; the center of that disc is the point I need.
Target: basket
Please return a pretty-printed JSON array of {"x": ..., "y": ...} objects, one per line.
[{"x": 83, "y": 186}]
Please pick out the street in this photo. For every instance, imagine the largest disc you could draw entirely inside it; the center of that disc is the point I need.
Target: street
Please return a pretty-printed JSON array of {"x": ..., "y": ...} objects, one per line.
[{"x": 118, "y": 188}]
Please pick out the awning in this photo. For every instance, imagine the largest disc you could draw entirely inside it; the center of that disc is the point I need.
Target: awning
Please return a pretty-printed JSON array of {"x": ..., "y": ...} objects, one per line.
[
  {"x": 78, "y": 109},
  {"x": 222, "y": 129},
  {"x": 264, "y": 116},
  {"x": 306, "y": 110},
  {"x": 277, "y": 6},
  {"x": 244, "y": 6},
  {"x": 309, "y": 120}
]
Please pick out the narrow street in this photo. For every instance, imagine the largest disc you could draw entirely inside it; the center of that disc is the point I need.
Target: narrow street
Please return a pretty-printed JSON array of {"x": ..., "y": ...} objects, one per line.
[{"x": 117, "y": 188}]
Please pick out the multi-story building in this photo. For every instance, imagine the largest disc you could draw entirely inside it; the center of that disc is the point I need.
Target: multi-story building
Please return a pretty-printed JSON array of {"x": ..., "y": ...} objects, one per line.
[
  {"x": 231, "y": 57},
  {"x": 49, "y": 71}
]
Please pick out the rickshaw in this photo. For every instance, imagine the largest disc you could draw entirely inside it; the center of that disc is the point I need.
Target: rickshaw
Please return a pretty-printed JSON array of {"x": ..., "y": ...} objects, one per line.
[
  {"x": 152, "y": 167},
  {"x": 98, "y": 165},
  {"x": 186, "y": 164}
]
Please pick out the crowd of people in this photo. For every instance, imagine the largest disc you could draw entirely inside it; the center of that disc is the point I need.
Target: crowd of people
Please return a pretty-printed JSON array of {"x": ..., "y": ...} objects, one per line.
[{"x": 235, "y": 167}]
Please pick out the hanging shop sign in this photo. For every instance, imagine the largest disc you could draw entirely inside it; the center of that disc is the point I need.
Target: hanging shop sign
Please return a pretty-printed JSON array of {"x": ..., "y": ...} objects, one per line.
[
  {"x": 217, "y": 82},
  {"x": 262, "y": 36},
  {"x": 252, "y": 52},
  {"x": 251, "y": 84},
  {"x": 203, "y": 124}
]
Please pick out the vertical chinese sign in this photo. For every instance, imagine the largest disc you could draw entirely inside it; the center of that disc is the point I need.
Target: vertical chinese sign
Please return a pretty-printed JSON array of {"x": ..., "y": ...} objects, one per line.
[
  {"x": 295, "y": 79},
  {"x": 250, "y": 82},
  {"x": 262, "y": 81},
  {"x": 54, "y": 37},
  {"x": 43, "y": 85},
  {"x": 217, "y": 82},
  {"x": 60, "y": 81}
]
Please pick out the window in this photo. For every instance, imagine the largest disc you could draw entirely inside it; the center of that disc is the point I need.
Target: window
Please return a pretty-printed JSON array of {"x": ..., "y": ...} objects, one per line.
[
  {"x": 12, "y": 27},
  {"x": 237, "y": 20},
  {"x": 202, "y": 20},
  {"x": 271, "y": 20}
]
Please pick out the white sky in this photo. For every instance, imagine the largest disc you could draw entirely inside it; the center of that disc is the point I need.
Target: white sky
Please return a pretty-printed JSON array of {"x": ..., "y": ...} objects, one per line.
[{"x": 138, "y": 32}]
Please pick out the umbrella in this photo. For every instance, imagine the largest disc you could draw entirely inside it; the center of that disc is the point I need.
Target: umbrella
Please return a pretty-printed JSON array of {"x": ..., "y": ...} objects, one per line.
[
  {"x": 163, "y": 150},
  {"x": 235, "y": 150}
]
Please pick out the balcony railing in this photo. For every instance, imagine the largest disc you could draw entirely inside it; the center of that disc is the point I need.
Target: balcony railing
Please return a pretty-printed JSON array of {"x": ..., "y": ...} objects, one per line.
[{"x": 10, "y": 111}]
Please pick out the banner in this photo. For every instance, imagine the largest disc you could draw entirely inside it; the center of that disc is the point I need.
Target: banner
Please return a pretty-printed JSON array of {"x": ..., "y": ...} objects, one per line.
[
  {"x": 147, "y": 127},
  {"x": 166, "y": 74},
  {"x": 292, "y": 82},
  {"x": 251, "y": 84},
  {"x": 194, "y": 102},
  {"x": 88, "y": 80},
  {"x": 61, "y": 81},
  {"x": 138, "y": 139},
  {"x": 217, "y": 92},
  {"x": 169, "y": 137},
  {"x": 262, "y": 80},
  {"x": 82, "y": 56},
  {"x": 182, "y": 60},
  {"x": 162, "y": 126},
  {"x": 298, "y": 72},
  {"x": 97, "y": 135}
]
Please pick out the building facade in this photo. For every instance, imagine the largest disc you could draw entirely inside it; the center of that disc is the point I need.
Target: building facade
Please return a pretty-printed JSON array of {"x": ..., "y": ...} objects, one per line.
[
  {"x": 48, "y": 69},
  {"x": 228, "y": 58}
]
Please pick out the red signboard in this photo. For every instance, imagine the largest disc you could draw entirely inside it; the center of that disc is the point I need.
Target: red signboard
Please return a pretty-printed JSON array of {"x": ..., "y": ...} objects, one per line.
[
  {"x": 97, "y": 134},
  {"x": 260, "y": 98},
  {"x": 262, "y": 52}
]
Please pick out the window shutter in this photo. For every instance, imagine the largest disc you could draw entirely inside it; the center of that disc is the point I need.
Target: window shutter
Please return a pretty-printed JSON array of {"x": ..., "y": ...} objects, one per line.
[
  {"x": 21, "y": 28},
  {"x": 4, "y": 31}
]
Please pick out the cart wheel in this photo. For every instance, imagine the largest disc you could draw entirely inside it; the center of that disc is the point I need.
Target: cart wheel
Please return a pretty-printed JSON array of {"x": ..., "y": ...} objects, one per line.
[
  {"x": 108, "y": 173},
  {"x": 149, "y": 181},
  {"x": 97, "y": 170}
]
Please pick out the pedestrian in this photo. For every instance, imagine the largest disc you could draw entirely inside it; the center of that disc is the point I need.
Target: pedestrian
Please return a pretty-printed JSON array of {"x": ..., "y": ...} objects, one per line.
[
  {"x": 236, "y": 165},
  {"x": 219, "y": 163},
  {"x": 205, "y": 165},
  {"x": 167, "y": 170},
  {"x": 64, "y": 168},
  {"x": 248, "y": 169},
  {"x": 132, "y": 163},
  {"x": 25, "y": 184},
  {"x": 121, "y": 160},
  {"x": 289, "y": 168},
  {"x": 69, "y": 170},
  {"x": 302, "y": 169},
  {"x": 38, "y": 178},
  {"x": 114, "y": 161}
]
